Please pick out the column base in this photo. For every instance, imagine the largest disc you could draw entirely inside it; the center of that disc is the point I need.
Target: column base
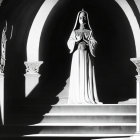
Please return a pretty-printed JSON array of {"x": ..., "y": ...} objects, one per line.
[{"x": 136, "y": 136}]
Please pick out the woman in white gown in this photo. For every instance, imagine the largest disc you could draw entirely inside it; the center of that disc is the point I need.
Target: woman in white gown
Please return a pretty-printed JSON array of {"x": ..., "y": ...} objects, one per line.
[{"x": 82, "y": 86}]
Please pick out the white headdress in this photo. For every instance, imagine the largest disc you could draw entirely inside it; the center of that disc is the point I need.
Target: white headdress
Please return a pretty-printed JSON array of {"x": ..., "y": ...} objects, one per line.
[{"x": 77, "y": 24}]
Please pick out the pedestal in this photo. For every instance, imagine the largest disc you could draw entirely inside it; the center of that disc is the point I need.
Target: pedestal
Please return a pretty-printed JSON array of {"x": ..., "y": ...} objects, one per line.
[
  {"x": 31, "y": 81},
  {"x": 2, "y": 96},
  {"x": 31, "y": 76}
]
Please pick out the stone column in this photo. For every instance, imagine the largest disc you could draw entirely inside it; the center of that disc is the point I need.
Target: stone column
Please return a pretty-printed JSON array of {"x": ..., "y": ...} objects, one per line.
[
  {"x": 2, "y": 96},
  {"x": 136, "y": 61},
  {"x": 31, "y": 76}
]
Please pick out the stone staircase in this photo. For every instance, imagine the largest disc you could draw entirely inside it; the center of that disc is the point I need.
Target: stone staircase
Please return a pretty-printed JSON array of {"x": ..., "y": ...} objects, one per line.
[{"x": 103, "y": 120}]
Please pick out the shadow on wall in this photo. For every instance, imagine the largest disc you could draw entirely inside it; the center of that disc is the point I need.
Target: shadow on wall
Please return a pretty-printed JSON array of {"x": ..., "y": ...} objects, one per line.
[{"x": 115, "y": 73}]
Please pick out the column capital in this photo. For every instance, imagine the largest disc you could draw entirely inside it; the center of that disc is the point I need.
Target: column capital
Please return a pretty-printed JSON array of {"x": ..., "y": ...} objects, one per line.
[
  {"x": 32, "y": 67},
  {"x": 136, "y": 61}
]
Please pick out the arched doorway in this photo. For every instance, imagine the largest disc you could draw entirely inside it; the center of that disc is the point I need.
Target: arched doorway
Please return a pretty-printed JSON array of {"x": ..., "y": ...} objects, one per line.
[{"x": 114, "y": 71}]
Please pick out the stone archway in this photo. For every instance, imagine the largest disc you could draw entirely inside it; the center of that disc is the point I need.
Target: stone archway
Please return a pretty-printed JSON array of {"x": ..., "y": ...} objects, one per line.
[
  {"x": 36, "y": 29},
  {"x": 33, "y": 63},
  {"x": 41, "y": 17}
]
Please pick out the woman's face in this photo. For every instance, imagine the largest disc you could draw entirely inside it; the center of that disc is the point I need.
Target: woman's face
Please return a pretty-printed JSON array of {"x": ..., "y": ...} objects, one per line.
[{"x": 82, "y": 18}]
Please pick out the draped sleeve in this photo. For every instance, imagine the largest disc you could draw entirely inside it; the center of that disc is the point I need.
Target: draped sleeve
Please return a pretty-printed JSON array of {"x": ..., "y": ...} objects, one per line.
[
  {"x": 92, "y": 44},
  {"x": 71, "y": 42}
]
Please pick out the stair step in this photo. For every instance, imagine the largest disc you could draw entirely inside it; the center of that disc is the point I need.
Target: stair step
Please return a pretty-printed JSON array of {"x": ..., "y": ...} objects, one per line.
[
  {"x": 81, "y": 135},
  {"x": 89, "y": 119},
  {"x": 84, "y": 124},
  {"x": 90, "y": 114},
  {"x": 96, "y": 108},
  {"x": 123, "y": 138},
  {"x": 86, "y": 129},
  {"x": 98, "y": 120}
]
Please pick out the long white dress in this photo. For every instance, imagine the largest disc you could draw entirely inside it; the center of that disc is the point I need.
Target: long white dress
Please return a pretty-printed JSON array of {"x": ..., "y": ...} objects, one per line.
[{"x": 82, "y": 86}]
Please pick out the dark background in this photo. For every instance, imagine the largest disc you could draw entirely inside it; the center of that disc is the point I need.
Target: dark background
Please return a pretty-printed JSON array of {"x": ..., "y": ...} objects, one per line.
[{"x": 115, "y": 73}]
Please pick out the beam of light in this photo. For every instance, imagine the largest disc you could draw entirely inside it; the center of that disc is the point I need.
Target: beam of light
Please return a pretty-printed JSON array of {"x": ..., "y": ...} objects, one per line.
[{"x": 36, "y": 29}]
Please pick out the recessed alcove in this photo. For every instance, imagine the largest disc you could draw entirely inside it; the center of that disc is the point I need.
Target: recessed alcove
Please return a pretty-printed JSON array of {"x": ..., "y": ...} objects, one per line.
[{"x": 115, "y": 73}]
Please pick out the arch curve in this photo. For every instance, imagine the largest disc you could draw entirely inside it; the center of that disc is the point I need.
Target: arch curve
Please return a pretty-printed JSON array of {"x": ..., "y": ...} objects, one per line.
[
  {"x": 40, "y": 18},
  {"x": 36, "y": 30}
]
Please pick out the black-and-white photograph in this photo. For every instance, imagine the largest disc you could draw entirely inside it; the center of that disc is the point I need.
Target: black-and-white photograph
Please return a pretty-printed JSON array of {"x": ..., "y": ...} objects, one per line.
[{"x": 70, "y": 69}]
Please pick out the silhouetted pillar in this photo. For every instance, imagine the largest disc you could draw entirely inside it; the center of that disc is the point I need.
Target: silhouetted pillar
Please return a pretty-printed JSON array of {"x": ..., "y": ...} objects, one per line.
[
  {"x": 136, "y": 61},
  {"x": 32, "y": 76}
]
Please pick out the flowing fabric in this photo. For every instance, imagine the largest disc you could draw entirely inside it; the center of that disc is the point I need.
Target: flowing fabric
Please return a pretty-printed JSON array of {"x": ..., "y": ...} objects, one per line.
[{"x": 82, "y": 86}]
